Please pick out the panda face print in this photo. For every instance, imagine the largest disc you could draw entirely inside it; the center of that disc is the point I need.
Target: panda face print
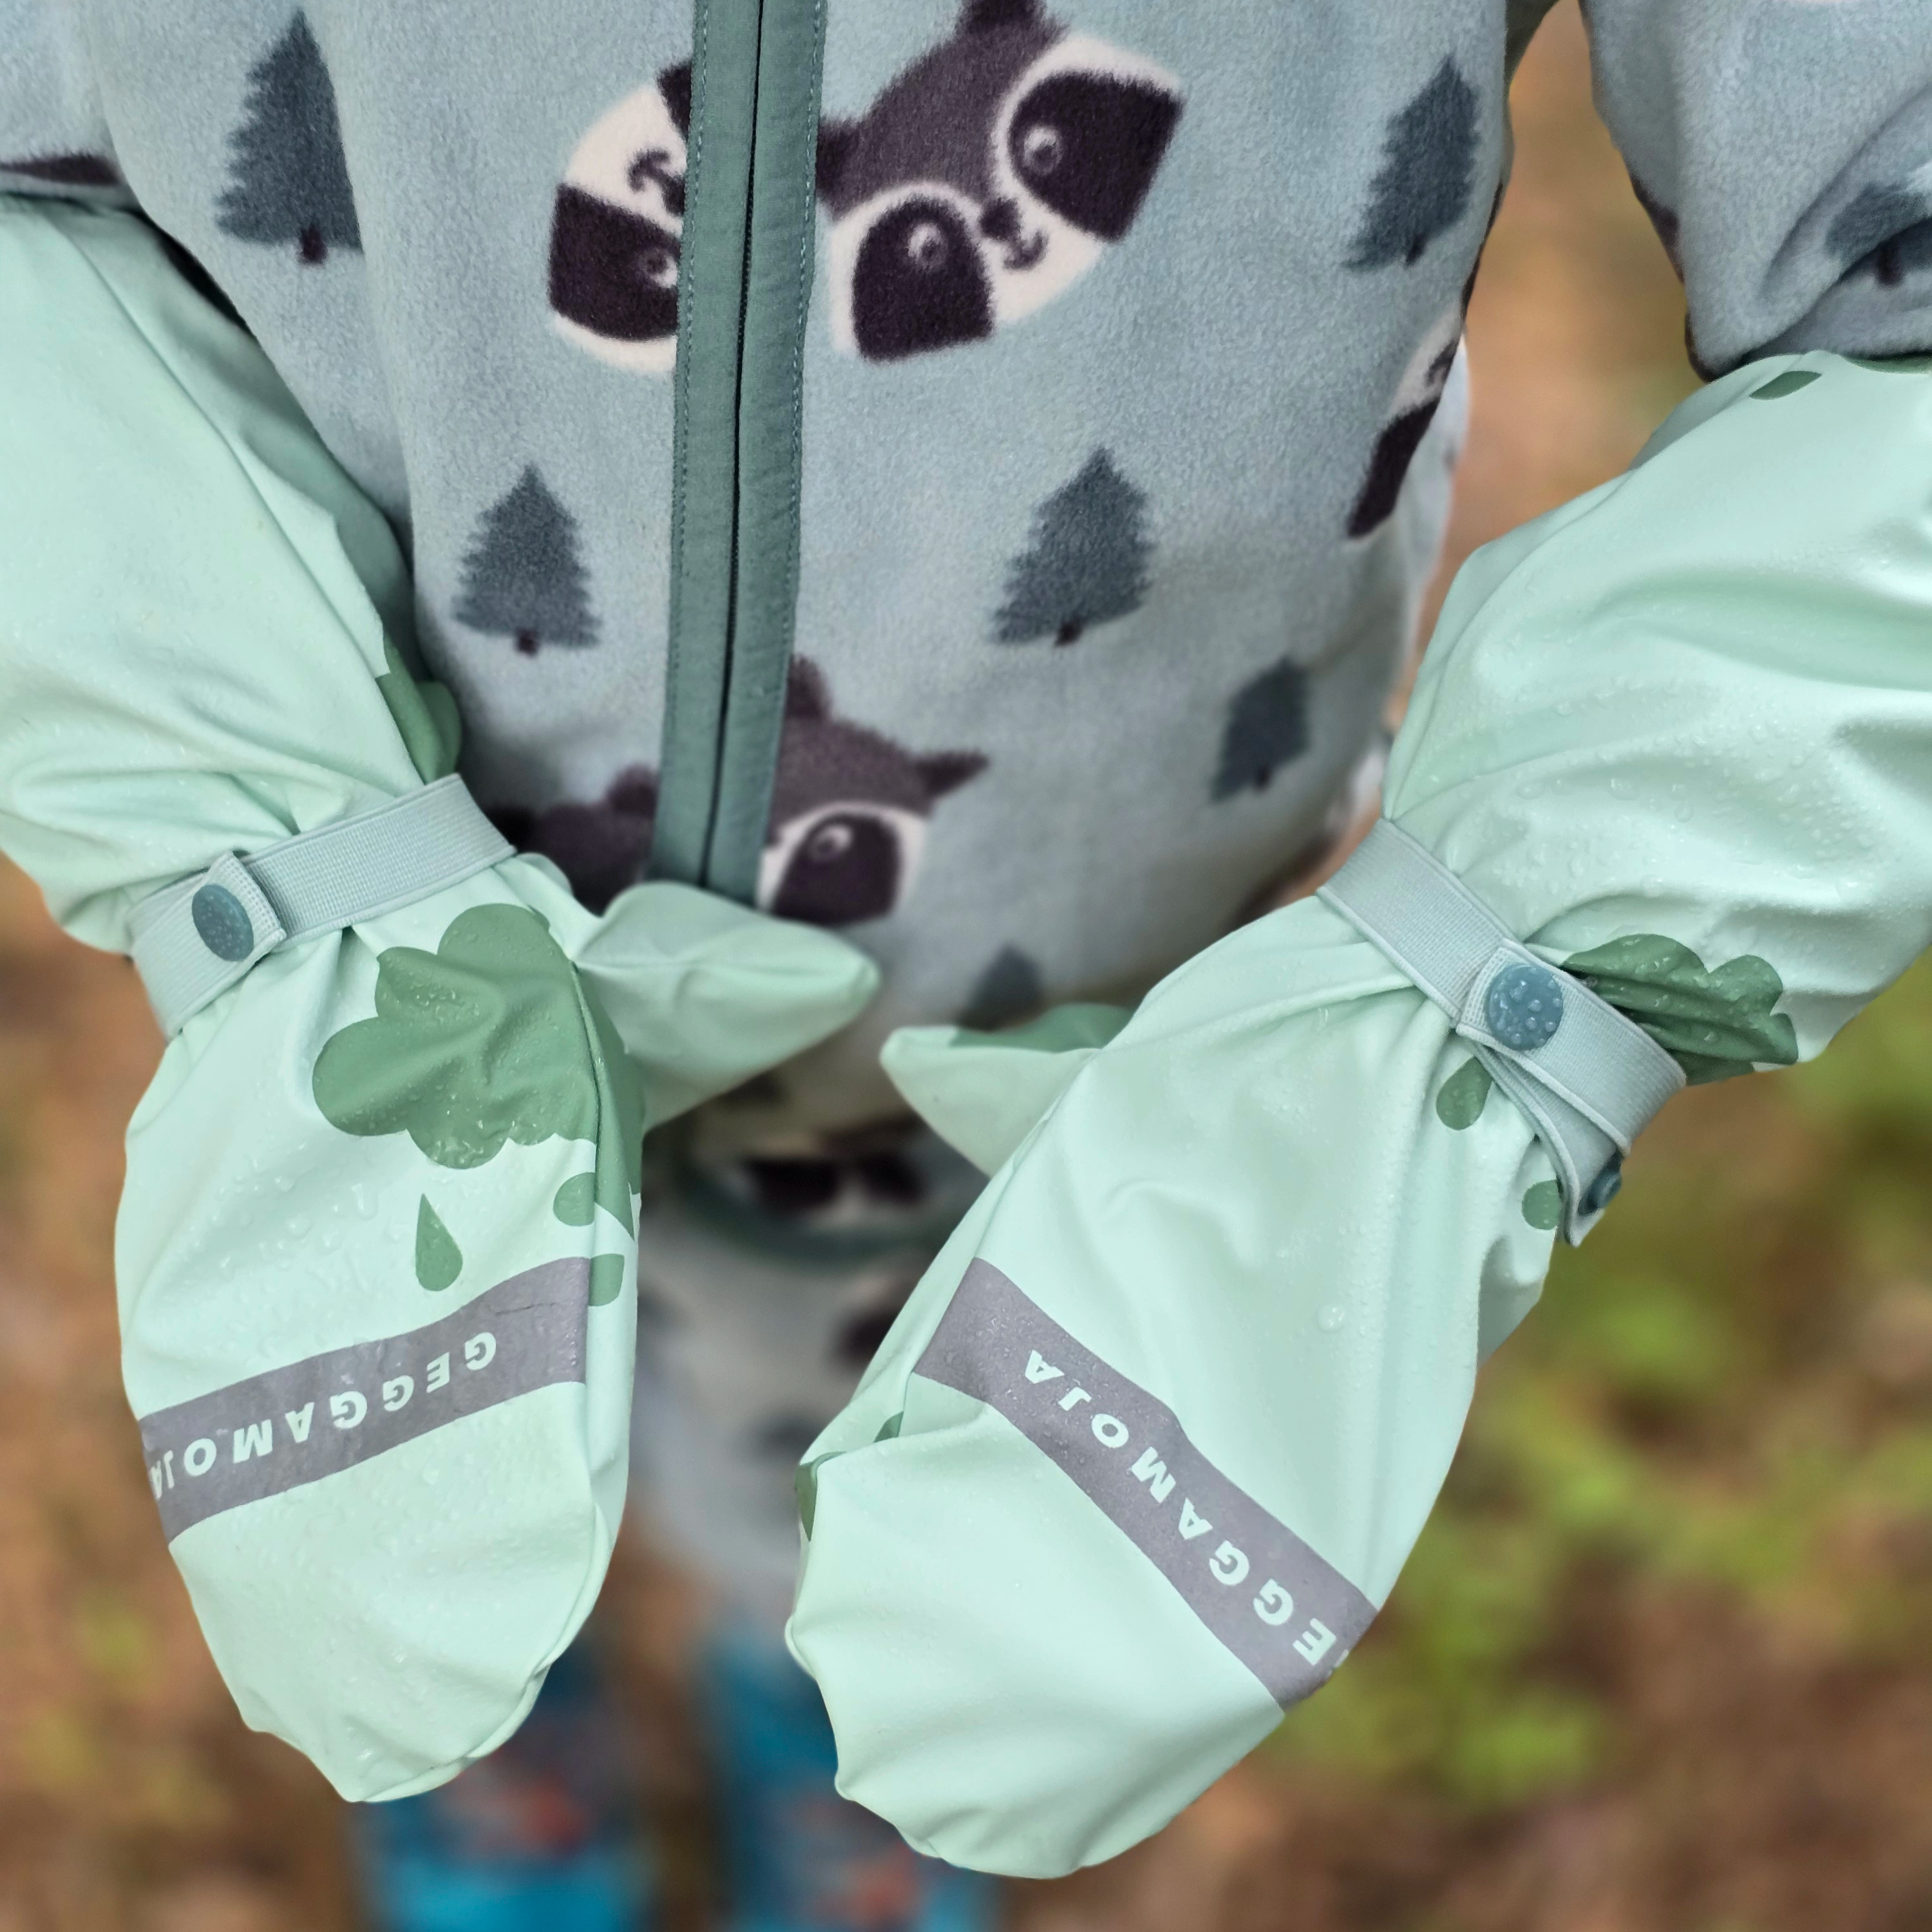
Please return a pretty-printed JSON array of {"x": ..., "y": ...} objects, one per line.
[
  {"x": 850, "y": 811},
  {"x": 617, "y": 227},
  {"x": 986, "y": 180}
]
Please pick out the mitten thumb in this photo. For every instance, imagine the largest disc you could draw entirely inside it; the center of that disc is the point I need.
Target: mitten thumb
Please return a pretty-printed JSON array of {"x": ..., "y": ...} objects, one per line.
[
  {"x": 705, "y": 993},
  {"x": 984, "y": 1093}
]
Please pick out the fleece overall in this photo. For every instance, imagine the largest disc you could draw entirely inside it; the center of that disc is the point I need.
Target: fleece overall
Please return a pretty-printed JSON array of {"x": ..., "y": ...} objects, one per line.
[{"x": 959, "y": 476}]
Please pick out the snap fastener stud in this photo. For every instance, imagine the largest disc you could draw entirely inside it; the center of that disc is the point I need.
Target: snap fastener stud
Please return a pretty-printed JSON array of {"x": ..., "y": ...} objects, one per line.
[
  {"x": 1606, "y": 1187},
  {"x": 223, "y": 922},
  {"x": 1524, "y": 1005}
]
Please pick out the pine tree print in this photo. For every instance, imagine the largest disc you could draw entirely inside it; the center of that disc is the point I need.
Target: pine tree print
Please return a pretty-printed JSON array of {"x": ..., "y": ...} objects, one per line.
[
  {"x": 521, "y": 577},
  {"x": 1266, "y": 728},
  {"x": 1088, "y": 562},
  {"x": 1009, "y": 989},
  {"x": 1429, "y": 167},
  {"x": 289, "y": 180},
  {"x": 1887, "y": 226},
  {"x": 69, "y": 170}
]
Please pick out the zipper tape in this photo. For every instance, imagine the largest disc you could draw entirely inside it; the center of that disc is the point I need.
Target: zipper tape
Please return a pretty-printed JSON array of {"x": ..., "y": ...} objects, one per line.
[{"x": 745, "y": 282}]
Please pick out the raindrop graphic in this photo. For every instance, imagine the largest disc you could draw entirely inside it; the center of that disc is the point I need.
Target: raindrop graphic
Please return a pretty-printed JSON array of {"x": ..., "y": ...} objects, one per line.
[{"x": 438, "y": 1260}]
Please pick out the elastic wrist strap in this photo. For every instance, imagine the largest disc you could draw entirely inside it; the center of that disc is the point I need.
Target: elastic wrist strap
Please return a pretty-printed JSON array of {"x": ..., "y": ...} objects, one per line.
[
  {"x": 1589, "y": 1078},
  {"x": 193, "y": 939}
]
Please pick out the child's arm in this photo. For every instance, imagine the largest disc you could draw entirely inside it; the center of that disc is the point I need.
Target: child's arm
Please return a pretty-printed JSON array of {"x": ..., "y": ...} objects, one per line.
[
  {"x": 1784, "y": 152},
  {"x": 375, "y": 1252}
]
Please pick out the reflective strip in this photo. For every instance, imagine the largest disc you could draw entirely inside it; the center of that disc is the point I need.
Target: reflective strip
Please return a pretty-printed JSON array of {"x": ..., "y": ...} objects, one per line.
[
  {"x": 1285, "y": 1611},
  {"x": 293, "y": 1426},
  {"x": 320, "y": 881},
  {"x": 1589, "y": 1090}
]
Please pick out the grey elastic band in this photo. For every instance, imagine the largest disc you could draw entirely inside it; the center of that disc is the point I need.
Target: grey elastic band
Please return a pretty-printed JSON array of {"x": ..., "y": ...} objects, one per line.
[
  {"x": 1589, "y": 1088},
  {"x": 194, "y": 939}
]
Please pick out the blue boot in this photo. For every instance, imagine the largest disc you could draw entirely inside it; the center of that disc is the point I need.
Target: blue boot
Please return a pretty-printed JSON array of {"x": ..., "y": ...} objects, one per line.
[
  {"x": 801, "y": 1858},
  {"x": 541, "y": 1836}
]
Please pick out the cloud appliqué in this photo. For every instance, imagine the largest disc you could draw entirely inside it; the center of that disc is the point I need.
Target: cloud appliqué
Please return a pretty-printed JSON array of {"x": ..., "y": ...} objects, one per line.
[{"x": 492, "y": 1038}]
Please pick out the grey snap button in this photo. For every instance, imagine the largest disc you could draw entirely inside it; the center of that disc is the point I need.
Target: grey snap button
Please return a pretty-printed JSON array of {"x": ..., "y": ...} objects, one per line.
[
  {"x": 1524, "y": 1005},
  {"x": 223, "y": 922},
  {"x": 1606, "y": 1187}
]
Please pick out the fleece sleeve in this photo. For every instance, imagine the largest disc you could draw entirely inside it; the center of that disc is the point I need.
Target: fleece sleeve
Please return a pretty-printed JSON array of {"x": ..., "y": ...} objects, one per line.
[
  {"x": 53, "y": 133},
  {"x": 1783, "y": 150}
]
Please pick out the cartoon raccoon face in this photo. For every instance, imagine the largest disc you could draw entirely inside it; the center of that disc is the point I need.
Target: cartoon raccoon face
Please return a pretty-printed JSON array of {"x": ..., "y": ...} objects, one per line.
[
  {"x": 1411, "y": 412},
  {"x": 986, "y": 179},
  {"x": 600, "y": 847},
  {"x": 843, "y": 863},
  {"x": 617, "y": 229},
  {"x": 849, "y": 811}
]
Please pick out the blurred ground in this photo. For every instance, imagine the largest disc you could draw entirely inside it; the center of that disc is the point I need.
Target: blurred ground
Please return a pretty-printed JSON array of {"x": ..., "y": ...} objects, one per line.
[{"x": 1660, "y": 1663}]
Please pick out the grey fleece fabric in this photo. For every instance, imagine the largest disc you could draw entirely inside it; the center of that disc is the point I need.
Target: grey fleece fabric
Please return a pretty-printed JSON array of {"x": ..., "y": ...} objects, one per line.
[{"x": 1120, "y": 461}]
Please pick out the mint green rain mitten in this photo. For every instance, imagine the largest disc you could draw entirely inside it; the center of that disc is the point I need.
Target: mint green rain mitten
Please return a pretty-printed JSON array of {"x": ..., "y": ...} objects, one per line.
[
  {"x": 1149, "y": 1445},
  {"x": 377, "y": 1252}
]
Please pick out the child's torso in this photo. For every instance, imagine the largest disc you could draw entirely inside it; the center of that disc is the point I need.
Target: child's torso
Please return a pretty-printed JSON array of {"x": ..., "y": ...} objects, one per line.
[{"x": 1014, "y": 572}]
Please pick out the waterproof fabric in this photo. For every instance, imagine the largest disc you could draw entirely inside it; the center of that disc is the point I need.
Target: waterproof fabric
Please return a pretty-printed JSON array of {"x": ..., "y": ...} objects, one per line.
[
  {"x": 1157, "y": 1432},
  {"x": 375, "y": 1252},
  {"x": 1101, "y": 586},
  {"x": 1028, "y": 656}
]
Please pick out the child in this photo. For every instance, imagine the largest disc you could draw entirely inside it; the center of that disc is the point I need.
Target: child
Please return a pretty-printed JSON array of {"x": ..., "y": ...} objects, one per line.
[{"x": 976, "y": 500}]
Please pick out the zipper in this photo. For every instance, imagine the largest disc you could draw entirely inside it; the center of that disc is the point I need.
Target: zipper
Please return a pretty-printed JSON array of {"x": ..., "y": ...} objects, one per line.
[{"x": 745, "y": 283}]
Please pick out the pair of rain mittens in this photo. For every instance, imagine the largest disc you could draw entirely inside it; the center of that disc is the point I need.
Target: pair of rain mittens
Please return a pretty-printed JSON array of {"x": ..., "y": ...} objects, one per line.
[
  {"x": 375, "y": 1254},
  {"x": 1151, "y": 1441}
]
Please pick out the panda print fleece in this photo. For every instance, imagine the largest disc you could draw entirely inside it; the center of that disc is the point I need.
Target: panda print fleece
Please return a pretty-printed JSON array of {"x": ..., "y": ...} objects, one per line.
[{"x": 961, "y": 471}]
